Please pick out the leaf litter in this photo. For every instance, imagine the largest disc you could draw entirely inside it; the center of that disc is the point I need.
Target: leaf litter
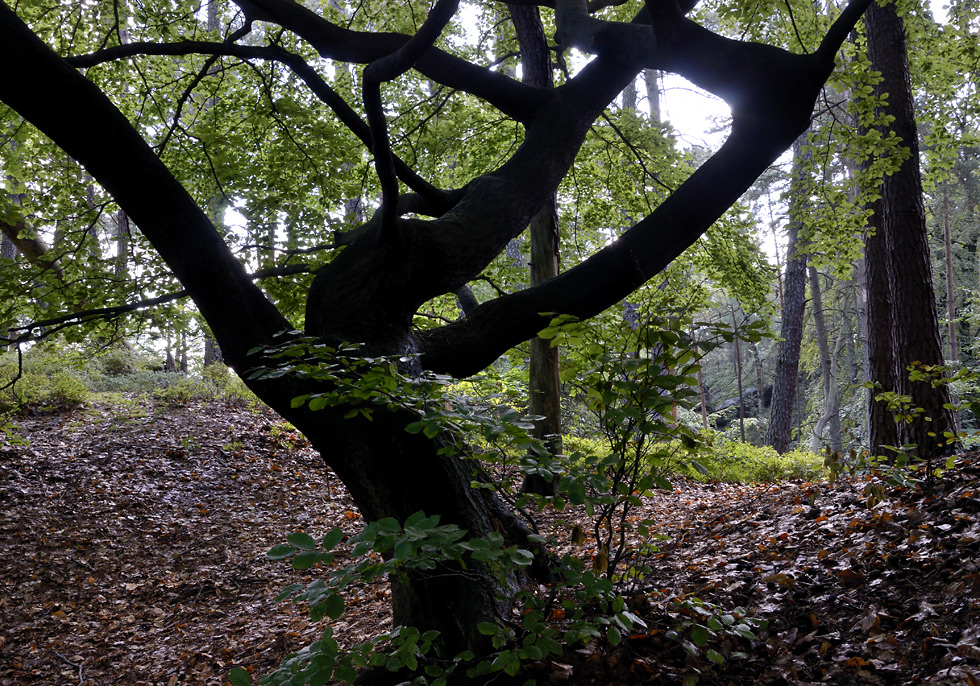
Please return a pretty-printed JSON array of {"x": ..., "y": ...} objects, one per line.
[{"x": 135, "y": 534}]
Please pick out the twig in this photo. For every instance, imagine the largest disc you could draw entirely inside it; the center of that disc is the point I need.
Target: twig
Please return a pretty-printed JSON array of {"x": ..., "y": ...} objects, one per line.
[{"x": 69, "y": 662}]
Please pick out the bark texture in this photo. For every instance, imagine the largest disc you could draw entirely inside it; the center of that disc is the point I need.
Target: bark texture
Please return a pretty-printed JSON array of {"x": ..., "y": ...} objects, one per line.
[
  {"x": 902, "y": 303},
  {"x": 544, "y": 382},
  {"x": 778, "y": 433}
]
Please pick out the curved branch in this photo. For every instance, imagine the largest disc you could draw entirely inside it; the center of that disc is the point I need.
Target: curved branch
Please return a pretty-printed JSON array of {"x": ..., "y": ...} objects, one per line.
[
  {"x": 775, "y": 100},
  {"x": 389, "y": 68},
  {"x": 506, "y": 94}
]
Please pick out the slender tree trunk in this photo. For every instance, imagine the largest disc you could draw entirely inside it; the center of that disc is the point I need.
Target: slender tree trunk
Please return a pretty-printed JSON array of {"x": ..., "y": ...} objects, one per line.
[
  {"x": 791, "y": 323},
  {"x": 122, "y": 245},
  {"x": 954, "y": 353},
  {"x": 738, "y": 376},
  {"x": 651, "y": 78},
  {"x": 760, "y": 381},
  {"x": 830, "y": 418},
  {"x": 544, "y": 397}
]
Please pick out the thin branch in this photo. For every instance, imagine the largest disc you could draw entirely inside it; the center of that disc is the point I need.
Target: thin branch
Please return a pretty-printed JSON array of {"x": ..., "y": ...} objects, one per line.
[
  {"x": 320, "y": 88},
  {"x": 796, "y": 30},
  {"x": 108, "y": 313},
  {"x": 333, "y": 42}
]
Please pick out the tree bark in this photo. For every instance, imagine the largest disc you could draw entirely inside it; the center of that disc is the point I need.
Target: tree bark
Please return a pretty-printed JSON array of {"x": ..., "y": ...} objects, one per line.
[
  {"x": 544, "y": 382},
  {"x": 791, "y": 322},
  {"x": 830, "y": 417},
  {"x": 901, "y": 245}
]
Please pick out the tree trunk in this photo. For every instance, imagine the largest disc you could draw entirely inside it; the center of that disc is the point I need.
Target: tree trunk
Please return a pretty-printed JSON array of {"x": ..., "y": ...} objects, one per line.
[
  {"x": 954, "y": 353},
  {"x": 738, "y": 376},
  {"x": 544, "y": 383},
  {"x": 791, "y": 323},
  {"x": 903, "y": 241},
  {"x": 417, "y": 478},
  {"x": 830, "y": 418}
]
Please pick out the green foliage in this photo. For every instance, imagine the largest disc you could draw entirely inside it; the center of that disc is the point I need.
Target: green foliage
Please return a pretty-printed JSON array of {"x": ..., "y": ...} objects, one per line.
[
  {"x": 47, "y": 378},
  {"x": 708, "y": 632},
  {"x": 736, "y": 462}
]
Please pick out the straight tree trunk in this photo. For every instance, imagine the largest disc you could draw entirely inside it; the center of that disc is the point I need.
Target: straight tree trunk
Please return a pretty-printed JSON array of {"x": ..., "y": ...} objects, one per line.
[
  {"x": 791, "y": 323},
  {"x": 738, "y": 377},
  {"x": 830, "y": 418},
  {"x": 954, "y": 353},
  {"x": 901, "y": 246},
  {"x": 544, "y": 383}
]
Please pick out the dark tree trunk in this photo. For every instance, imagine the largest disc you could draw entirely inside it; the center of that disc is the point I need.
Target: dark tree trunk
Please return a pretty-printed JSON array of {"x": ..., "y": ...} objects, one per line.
[
  {"x": 901, "y": 246},
  {"x": 791, "y": 322},
  {"x": 450, "y": 599}
]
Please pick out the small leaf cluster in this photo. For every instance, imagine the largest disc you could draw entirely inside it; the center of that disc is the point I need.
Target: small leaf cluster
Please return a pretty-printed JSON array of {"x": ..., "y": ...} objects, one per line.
[
  {"x": 705, "y": 630},
  {"x": 384, "y": 548}
]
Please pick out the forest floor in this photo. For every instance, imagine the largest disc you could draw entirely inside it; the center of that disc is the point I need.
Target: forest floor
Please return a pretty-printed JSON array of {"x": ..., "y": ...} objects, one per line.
[{"x": 133, "y": 541}]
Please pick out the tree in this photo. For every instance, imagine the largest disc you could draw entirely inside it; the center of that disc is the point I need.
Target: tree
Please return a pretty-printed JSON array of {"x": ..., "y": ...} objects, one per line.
[
  {"x": 794, "y": 304},
  {"x": 903, "y": 319},
  {"x": 544, "y": 388},
  {"x": 396, "y": 262}
]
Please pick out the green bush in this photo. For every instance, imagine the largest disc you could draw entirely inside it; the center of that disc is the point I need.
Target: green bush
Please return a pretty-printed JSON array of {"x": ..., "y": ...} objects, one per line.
[
  {"x": 50, "y": 379},
  {"x": 737, "y": 462}
]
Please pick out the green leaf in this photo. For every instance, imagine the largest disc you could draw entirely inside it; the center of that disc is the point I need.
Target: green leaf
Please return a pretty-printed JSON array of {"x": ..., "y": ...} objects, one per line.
[
  {"x": 332, "y": 539},
  {"x": 334, "y": 606},
  {"x": 699, "y": 635},
  {"x": 306, "y": 559},
  {"x": 576, "y": 491},
  {"x": 301, "y": 540},
  {"x": 280, "y": 552},
  {"x": 714, "y": 656},
  {"x": 239, "y": 677},
  {"x": 614, "y": 636}
]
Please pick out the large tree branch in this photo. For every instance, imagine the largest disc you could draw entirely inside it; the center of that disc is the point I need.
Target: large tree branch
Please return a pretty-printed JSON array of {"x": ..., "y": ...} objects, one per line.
[
  {"x": 388, "y": 68},
  {"x": 42, "y": 88},
  {"x": 32, "y": 248},
  {"x": 773, "y": 110}
]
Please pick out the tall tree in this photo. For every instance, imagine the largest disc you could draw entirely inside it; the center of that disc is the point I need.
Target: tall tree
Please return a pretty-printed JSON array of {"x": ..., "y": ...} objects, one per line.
[
  {"x": 778, "y": 432},
  {"x": 830, "y": 416},
  {"x": 369, "y": 292},
  {"x": 544, "y": 391},
  {"x": 903, "y": 318}
]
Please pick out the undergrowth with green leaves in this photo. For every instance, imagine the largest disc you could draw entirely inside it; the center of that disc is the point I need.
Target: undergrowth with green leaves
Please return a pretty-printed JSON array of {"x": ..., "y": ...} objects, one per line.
[
  {"x": 637, "y": 445},
  {"x": 55, "y": 377}
]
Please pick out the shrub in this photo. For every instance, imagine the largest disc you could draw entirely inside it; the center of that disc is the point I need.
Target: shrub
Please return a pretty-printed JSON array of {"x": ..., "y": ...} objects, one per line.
[
  {"x": 734, "y": 461},
  {"x": 50, "y": 379}
]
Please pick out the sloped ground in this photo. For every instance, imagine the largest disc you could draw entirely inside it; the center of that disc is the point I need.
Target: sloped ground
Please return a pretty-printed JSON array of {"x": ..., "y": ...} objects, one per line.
[{"x": 133, "y": 542}]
